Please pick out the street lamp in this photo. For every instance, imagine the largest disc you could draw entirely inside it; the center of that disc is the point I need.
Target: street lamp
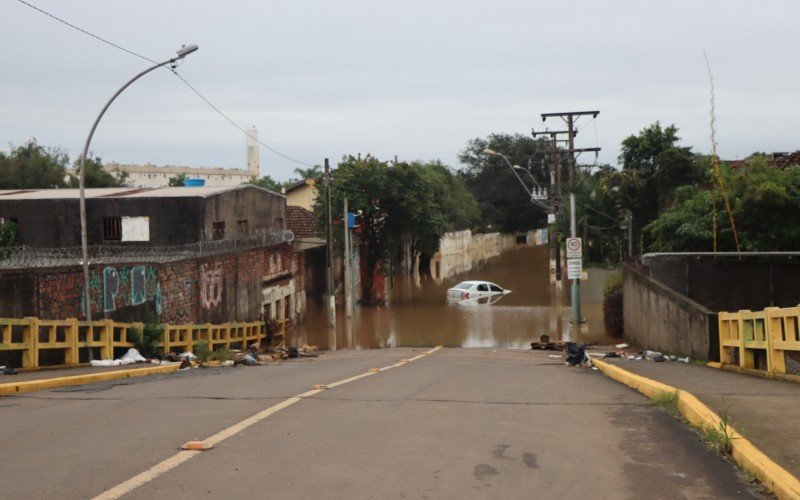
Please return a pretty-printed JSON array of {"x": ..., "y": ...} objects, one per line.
[
  {"x": 533, "y": 195},
  {"x": 180, "y": 54}
]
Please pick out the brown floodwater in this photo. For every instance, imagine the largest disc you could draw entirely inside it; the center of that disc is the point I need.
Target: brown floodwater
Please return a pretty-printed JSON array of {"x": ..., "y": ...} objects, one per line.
[{"x": 420, "y": 315}]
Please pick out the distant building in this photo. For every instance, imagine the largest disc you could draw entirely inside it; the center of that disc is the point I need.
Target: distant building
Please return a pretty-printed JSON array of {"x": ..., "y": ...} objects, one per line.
[
  {"x": 302, "y": 194},
  {"x": 151, "y": 176},
  {"x": 779, "y": 160},
  {"x": 48, "y": 218}
]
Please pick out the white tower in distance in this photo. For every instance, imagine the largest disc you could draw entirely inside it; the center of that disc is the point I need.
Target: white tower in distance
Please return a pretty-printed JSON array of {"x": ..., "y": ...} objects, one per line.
[{"x": 253, "y": 164}]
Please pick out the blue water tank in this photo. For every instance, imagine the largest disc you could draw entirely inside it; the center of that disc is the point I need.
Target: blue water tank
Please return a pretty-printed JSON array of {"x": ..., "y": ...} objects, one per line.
[{"x": 194, "y": 182}]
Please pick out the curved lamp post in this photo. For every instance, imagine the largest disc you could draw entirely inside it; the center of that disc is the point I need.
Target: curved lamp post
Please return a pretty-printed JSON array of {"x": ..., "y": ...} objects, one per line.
[
  {"x": 183, "y": 52},
  {"x": 514, "y": 168}
]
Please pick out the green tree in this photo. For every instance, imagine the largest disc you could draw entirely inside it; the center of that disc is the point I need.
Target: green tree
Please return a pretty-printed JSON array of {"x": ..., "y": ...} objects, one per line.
[
  {"x": 314, "y": 172},
  {"x": 653, "y": 167},
  {"x": 268, "y": 183},
  {"x": 177, "y": 180},
  {"x": 504, "y": 205},
  {"x": 408, "y": 201},
  {"x": 761, "y": 198},
  {"x": 96, "y": 175},
  {"x": 32, "y": 166},
  {"x": 8, "y": 236}
]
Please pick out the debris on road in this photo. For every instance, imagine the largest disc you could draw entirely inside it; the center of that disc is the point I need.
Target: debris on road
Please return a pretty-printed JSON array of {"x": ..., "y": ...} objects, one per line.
[
  {"x": 544, "y": 344},
  {"x": 621, "y": 346}
]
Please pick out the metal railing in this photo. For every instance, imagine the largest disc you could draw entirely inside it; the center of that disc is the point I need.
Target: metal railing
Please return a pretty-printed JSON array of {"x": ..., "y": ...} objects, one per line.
[{"x": 25, "y": 256}]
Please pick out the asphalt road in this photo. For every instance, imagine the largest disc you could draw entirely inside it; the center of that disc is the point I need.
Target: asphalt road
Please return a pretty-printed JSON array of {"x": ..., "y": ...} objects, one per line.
[{"x": 459, "y": 423}]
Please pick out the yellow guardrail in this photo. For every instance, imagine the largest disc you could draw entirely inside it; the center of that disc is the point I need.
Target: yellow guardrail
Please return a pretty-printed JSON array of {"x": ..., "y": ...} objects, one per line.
[
  {"x": 31, "y": 336},
  {"x": 747, "y": 336}
]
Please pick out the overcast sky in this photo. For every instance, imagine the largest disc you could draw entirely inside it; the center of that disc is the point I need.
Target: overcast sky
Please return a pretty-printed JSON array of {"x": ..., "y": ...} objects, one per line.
[{"x": 416, "y": 79}]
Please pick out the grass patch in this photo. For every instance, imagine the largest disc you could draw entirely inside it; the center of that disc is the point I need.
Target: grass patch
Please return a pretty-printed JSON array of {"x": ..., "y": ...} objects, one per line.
[
  {"x": 668, "y": 401},
  {"x": 719, "y": 438}
]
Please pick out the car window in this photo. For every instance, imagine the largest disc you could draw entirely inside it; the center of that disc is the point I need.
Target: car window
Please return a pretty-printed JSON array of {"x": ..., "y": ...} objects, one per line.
[
  {"x": 463, "y": 286},
  {"x": 483, "y": 288},
  {"x": 495, "y": 288}
]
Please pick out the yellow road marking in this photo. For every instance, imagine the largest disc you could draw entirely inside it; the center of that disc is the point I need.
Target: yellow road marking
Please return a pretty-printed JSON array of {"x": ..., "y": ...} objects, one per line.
[{"x": 184, "y": 455}]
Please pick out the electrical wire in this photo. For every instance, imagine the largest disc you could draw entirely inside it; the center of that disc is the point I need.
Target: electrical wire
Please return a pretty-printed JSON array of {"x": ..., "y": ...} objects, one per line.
[
  {"x": 618, "y": 221},
  {"x": 201, "y": 96}
]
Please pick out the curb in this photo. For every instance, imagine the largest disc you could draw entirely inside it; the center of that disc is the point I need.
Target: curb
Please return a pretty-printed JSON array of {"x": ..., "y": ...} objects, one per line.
[
  {"x": 755, "y": 373},
  {"x": 750, "y": 458},
  {"x": 52, "y": 383}
]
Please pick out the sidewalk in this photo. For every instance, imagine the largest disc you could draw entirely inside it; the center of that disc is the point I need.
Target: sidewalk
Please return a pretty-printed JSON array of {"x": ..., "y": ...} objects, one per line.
[
  {"x": 68, "y": 372},
  {"x": 766, "y": 412}
]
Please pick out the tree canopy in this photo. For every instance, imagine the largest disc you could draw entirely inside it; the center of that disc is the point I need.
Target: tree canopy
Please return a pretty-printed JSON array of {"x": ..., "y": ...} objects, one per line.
[
  {"x": 408, "y": 201},
  {"x": 267, "y": 182},
  {"x": 33, "y": 166},
  {"x": 504, "y": 204}
]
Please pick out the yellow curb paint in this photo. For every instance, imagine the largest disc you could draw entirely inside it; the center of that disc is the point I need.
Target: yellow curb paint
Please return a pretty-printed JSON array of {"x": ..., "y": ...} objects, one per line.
[
  {"x": 52, "y": 383},
  {"x": 184, "y": 455},
  {"x": 714, "y": 364},
  {"x": 774, "y": 477}
]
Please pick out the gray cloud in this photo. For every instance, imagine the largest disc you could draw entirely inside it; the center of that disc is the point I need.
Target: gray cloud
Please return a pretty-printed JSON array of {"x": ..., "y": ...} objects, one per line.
[{"x": 416, "y": 79}]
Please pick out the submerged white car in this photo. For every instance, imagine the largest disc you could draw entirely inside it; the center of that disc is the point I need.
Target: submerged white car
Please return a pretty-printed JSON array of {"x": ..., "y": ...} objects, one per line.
[{"x": 470, "y": 290}]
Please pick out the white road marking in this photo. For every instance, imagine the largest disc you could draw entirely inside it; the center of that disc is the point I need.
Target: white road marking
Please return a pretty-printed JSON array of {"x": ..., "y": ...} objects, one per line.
[{"x": 184, "y": 455}]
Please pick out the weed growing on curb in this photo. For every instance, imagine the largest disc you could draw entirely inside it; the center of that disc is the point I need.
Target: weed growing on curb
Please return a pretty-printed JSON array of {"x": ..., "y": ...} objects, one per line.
[
  {"x": 668, "y": 401},
  {"x": 720, "y": 438}
]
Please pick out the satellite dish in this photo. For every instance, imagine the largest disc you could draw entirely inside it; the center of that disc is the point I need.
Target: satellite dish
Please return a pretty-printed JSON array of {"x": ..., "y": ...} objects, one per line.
[{"x": 287, "y": 235}]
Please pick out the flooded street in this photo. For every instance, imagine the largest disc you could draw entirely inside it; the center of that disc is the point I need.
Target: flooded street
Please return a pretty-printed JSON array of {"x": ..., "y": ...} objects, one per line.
[{"x": 420, "y": 315}]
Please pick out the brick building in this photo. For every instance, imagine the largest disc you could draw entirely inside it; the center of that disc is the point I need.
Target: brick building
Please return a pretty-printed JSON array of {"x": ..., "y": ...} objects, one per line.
[{"x": 49, "y": 218}]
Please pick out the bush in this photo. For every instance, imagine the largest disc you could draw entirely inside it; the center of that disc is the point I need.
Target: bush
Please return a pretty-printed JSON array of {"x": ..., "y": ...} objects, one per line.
[
  {"x": 612, "y": 305},
  {"x": 147, "y": 340}
]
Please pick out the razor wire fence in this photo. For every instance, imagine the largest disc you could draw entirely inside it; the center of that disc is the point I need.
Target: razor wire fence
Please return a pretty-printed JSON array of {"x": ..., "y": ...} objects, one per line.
[{"x": 24, "y": 256}]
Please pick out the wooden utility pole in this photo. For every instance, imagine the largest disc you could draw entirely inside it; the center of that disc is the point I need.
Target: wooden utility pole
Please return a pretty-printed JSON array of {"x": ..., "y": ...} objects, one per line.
[
  {"x": 569, "y": 118},
  {"x": 329, "y": 249}
]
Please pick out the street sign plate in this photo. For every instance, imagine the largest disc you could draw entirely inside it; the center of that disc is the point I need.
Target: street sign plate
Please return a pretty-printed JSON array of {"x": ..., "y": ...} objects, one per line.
[
  {"x": 574, "y": 269},
  {"x": 574, "y": 248}
]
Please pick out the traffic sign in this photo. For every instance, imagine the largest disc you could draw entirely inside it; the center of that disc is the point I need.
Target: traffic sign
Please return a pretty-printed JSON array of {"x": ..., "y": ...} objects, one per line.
[
  {"x": 574, "y": 248},
  {"x": 574, "y": 269}
]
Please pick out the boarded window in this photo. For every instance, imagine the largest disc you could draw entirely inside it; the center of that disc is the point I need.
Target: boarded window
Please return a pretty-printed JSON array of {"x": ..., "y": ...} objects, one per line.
[
  {"x": 112, "y": 228},
  {"x": 218, "y": 232},
  {"x": 242, "y": 226}
]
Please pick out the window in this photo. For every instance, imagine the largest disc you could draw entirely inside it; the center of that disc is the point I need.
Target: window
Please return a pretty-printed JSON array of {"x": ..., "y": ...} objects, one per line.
[
  {"x": 218, "y": 231},
  {"x": 242, "y": 226},
  {"x": 495, "y": 288},
  {"x": 112, "y": 228},
  {"x": 483, "y": 288}
]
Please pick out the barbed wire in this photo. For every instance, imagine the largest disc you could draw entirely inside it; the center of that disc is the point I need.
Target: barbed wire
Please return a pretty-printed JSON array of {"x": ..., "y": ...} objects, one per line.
[{"x": 26, "y": 257}]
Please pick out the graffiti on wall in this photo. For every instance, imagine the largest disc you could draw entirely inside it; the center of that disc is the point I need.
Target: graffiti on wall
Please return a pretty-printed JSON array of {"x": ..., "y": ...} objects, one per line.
[
  {"x": 124, "y": 287},
  {"x": 211, "y": 284}
]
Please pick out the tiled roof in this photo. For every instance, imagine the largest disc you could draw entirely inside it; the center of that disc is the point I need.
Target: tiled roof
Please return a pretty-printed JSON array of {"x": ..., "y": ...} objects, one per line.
[{"x": 302, "y": 222}]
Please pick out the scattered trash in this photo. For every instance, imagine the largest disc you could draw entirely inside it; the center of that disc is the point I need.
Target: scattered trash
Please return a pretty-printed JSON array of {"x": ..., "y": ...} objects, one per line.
[
  {"x": 554, "y": 356},
  {"x": 250, "y": 360},
  {"x": 104, "y": 362},
  {"x": 293, "y": 353},
  {"x": 652, "y": 354},
  {"x": 185, "y": 364},
  {"x": 684, "y": 360},
  {"x": 658, "y": 358},
  {"x": 576, "y": 354},
  {"x": 622, "y": 346},
  {"x": 672, "y": 357},
  {"x": 7, "y": 370},
  {"x": 612, "y": 354},
  {"x": 227, "y": 363},
  {"x": 544, "y": 344},
  {"x": 594, "y": 368},
  {"x": 186, "y": 355},
  {"x": 133, "y": 355}
]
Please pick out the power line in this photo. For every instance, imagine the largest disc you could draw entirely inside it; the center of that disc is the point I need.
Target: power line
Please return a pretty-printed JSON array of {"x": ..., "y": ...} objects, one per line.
[
  {"x": 201, "y": 96},
  {"x": 86, "y": 32}
]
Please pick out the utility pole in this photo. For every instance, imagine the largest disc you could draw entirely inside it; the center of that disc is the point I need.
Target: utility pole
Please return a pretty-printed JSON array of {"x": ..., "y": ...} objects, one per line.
[
  {"x": 329, "y": 247},
  {"x": 630, "y": 233},
  {"x": 555, "y": 189},
  {"x": 348, "y": 281},
  {"x": 569, "y": 118}
]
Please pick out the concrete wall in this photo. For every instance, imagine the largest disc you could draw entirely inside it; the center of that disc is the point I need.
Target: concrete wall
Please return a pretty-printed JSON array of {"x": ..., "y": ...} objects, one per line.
[
  {"x": 658, "y": 318},
  {"x": 236, "y": 286},
  {"x": 727, "y": 284},
  {"x": 460, "y": 251}
]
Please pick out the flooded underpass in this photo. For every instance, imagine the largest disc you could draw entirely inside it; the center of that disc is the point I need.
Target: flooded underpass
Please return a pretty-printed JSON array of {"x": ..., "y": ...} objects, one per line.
[{"x": 420, "y": 314}]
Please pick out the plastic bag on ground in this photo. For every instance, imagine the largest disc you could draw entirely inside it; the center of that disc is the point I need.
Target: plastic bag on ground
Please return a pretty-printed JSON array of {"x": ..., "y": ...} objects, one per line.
[
  {"x": 104, "y": 362},
  {"x": 133, "y": 355},
  {"x": 187, "y": 355}
]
